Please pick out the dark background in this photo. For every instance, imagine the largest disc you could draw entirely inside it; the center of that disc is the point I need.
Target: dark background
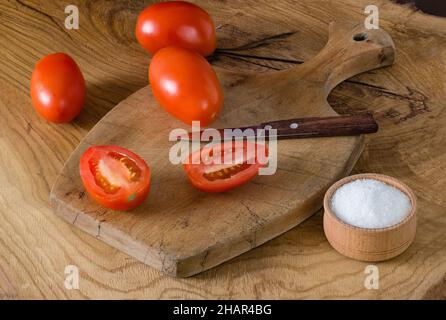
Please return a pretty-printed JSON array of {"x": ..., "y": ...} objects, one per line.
[{"x": 435, "y": 7}]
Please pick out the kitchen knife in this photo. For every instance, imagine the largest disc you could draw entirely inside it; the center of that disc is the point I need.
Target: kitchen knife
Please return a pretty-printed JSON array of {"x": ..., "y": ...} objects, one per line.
[{"x": 297, "y": 128}]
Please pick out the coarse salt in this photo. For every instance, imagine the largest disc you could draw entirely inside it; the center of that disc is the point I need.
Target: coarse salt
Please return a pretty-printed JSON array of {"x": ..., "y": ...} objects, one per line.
[{"x": 369, "y": 203}]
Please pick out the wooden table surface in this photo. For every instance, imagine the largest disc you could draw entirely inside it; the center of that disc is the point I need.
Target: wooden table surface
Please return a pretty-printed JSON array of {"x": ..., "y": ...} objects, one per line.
[{"x": 407, "y": 99}]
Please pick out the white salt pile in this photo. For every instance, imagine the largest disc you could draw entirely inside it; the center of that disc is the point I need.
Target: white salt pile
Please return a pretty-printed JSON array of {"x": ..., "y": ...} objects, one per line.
[{"x": 369, "y": 203}]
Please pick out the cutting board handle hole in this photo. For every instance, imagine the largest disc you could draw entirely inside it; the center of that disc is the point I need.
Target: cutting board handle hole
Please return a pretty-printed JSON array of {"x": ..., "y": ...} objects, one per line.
[{"x": 360, "y": 36}]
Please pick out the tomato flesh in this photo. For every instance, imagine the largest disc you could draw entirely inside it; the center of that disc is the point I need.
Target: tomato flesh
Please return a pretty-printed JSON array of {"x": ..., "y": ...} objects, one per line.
[
  {"x": 115, "y": 177},
  {"x": 225, "y": 173},
  {"x": 209, "y": 169}
]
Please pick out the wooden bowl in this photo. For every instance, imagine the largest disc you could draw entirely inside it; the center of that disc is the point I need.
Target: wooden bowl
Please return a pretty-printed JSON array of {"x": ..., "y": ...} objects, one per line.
[{"x": 369, "y": 244}]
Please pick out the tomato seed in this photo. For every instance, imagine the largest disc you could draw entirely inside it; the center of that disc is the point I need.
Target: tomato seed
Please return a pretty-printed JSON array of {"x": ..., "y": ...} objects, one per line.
[{"x": 226, "y": 173}]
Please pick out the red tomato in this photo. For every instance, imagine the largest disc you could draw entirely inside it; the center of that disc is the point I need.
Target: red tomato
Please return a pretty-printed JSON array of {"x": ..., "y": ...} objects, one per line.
[
  {"x": 176, "y": 23},
  {"x": 208, "y": 171},
  {"x": 185, "y": 84},
  {"x": 57, "y": 88},
  {"x": 115, "y": 177}
]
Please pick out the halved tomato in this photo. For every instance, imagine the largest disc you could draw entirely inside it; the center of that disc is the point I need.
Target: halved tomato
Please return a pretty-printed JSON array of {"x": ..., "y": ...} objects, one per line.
[
  {"x": 115, "y": 177},
  {"x": 224, "y": 166}
]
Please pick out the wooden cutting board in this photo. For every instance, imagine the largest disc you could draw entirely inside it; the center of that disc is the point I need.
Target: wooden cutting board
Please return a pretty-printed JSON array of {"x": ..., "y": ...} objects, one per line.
[{"x": 182, "y": 231}]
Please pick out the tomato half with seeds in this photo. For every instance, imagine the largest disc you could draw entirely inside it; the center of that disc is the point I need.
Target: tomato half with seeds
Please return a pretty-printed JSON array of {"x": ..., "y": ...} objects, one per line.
[
  {"x": 115, "y": 177},
  {"x": 225, "y": 166}
]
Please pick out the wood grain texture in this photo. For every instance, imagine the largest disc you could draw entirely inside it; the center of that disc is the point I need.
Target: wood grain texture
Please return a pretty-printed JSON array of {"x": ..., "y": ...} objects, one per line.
[
  {"x": 182, "y": 231},
  {"x": 407, "y": 100}
]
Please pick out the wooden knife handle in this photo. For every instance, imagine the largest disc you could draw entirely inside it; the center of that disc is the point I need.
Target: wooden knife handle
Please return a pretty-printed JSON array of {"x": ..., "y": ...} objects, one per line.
[{"x": 323, "y": 127}]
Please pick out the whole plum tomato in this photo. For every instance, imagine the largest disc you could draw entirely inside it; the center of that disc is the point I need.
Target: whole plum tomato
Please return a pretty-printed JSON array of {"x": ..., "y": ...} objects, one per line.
[
  {"x": 176, "y": 23},
  {"x": 185, "y": 85},
  {"x": 57, "y": 88}
]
